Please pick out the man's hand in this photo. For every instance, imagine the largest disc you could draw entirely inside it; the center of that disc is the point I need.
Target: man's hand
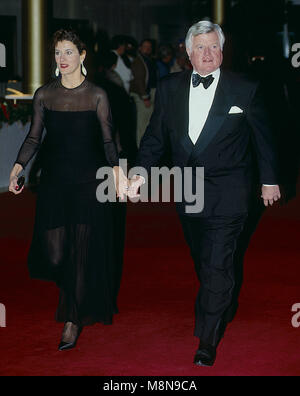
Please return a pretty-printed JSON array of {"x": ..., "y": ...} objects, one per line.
[
  {"x": 270, "y": 194},
  {"x": 134, "y": 184}
]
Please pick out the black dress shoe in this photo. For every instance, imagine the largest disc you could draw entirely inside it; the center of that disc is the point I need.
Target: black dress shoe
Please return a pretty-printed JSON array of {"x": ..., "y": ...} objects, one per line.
[
  {"x": 205, "y": 355},
  {"x": 64, "y": 346},
  {"x": 70, "y": 336}
]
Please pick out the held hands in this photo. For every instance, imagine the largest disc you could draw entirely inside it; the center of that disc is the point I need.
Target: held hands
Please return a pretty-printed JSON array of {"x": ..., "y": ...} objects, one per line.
[
  {"x": 121, "y": 182},
  {"x": 125, "y": 187},
  {"x": 270, "y": 194},
  {"x": 134, "y": 184}
]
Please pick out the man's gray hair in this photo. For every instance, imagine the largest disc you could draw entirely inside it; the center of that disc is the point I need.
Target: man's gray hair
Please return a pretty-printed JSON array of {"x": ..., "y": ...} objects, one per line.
[{"x": 202, "y": 27}]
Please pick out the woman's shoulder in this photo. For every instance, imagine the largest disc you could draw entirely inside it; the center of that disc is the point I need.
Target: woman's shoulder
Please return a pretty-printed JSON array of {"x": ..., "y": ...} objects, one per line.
[
  {"x": 42, "y": 91},
  {"x": 97, "y": 91}
]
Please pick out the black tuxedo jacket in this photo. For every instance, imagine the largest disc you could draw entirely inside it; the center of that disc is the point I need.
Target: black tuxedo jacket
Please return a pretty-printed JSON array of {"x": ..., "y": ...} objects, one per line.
[{"x": 227, "y": 146}]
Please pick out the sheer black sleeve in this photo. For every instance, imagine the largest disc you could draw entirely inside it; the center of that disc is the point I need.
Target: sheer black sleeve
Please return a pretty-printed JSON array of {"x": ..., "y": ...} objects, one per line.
[
  {"x": 105, "y": 119},
  {"x": 33, "y": 139}
]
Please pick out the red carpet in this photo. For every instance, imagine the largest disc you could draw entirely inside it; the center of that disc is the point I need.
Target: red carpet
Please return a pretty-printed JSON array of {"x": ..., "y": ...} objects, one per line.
[{"x": 153, "y": 334}]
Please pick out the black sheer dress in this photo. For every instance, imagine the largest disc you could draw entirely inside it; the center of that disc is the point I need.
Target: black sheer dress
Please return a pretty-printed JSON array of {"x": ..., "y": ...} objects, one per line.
[{"x": 73, "y": 239}]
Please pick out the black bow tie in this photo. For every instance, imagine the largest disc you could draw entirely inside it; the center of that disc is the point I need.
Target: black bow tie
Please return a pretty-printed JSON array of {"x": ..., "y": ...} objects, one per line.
[{"x": 206, "y": 81}]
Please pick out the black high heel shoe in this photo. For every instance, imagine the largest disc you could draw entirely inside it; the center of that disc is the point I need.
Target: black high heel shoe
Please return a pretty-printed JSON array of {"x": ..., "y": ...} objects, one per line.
[{"x": 70, "y": 336}]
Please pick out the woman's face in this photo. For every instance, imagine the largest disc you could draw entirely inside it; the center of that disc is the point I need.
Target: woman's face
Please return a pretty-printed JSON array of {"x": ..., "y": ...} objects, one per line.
[{"x": 67, "y": 57}]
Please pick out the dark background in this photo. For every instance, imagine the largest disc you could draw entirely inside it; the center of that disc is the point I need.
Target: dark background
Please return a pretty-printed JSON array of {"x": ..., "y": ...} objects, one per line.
[{"x": 251, "y": 26}]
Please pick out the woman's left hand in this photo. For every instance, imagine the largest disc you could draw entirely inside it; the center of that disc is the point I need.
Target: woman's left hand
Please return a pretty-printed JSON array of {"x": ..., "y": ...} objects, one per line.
[{"x": 121, "y": 182}]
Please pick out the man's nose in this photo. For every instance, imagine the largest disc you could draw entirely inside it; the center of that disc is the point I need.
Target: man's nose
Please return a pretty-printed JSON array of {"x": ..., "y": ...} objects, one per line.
[{"x": 207, "y": 51}]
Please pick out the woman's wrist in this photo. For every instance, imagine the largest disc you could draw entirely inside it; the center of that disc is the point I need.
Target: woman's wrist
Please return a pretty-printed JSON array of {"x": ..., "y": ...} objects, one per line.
[
  {"x": 19, "y": 167},
  {"x": 118, "y": 169},
  {"x": 16, "y": 170}
]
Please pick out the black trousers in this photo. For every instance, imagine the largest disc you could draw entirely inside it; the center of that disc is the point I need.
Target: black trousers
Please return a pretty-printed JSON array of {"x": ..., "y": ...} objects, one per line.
[
  {"x": 213, "y": 241},
  {"x": 255, "y": 213}
]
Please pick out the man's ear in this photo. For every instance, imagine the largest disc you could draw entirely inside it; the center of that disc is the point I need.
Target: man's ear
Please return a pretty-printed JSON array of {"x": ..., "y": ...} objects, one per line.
[{"x": 188, "y": 51}]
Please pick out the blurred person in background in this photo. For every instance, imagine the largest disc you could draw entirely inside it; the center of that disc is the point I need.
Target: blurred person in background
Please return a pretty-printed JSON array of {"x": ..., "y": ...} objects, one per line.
[
  {"x": 122, "y": 105},
  {"x": 118, "y": 46},
  {"x": 143, "y": 85},
  {"x": 181, "y": 61},
  {"x": 110, "y": 61},
  {"x": 131, "y": 47},
  {"x": 165, "y": 60}
]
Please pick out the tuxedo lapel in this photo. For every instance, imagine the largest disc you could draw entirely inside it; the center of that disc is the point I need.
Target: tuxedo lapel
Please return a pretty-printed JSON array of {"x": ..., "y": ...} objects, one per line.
[
  {"x": 221, "y": 105},
  {"x": 181, "y": 104},
  {"x": 181, "y": 113}
]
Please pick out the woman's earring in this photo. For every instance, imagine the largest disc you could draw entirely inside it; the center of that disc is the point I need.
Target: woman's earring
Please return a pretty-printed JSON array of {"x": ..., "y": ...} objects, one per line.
[
  {"x": 57, "y": 71},
  {"x": 83, "y": 69}
]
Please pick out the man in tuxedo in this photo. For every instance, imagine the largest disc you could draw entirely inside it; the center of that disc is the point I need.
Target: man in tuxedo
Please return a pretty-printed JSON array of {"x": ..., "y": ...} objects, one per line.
[{"x": 214, "y": 119}]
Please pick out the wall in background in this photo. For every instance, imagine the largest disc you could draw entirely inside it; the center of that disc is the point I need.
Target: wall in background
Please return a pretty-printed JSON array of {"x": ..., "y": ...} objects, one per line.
[
  {"x": 13, "y": 8},
  {"x": 163, "y": 20}
]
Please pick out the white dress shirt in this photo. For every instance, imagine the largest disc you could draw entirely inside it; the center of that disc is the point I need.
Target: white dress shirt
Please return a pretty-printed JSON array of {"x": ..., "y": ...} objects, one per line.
[
  {"x": 124, "y": 72},
  {"x": 200, "y": 103}
]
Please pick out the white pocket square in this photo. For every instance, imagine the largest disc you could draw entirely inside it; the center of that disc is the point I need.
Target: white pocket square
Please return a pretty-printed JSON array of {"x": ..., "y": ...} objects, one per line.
[{"x": 235, "y": 110}]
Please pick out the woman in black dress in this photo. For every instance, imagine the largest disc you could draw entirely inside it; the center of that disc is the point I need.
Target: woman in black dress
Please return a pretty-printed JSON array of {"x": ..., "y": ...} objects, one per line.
[{"x": 73, "y": 240}]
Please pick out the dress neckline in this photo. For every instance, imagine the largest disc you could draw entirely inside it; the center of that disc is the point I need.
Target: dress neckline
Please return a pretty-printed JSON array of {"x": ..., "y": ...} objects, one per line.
[{"x": 72, "y": 89}]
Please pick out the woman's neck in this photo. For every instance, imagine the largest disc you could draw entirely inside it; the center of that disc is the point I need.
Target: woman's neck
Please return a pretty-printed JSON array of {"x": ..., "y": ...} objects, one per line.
[{"x": 72, "y": 81}]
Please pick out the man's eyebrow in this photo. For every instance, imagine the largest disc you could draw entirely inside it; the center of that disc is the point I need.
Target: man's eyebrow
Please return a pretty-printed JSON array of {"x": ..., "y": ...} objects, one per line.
[{"x": 216, "y": 42}]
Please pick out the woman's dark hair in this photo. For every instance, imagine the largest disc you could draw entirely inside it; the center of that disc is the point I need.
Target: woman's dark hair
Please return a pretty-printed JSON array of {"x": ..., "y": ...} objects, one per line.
[{"x": 68, "y": 35}]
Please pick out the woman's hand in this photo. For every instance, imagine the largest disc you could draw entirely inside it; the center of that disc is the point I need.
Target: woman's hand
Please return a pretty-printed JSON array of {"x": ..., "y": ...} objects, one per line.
[
  {"x": 121, "y": 182},
  {"x": 17, "y": 169}
]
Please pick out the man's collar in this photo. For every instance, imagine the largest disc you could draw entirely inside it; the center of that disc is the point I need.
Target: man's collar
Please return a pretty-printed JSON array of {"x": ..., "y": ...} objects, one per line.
[{"x": 215, "y": 73}]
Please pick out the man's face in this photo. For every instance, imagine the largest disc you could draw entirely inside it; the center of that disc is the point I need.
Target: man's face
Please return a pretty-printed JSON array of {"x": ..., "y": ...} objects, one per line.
[
  {"x": 121, "y": 49},
  {"x": 206, "y": 54},
  {"x": 146, "y": 48}
]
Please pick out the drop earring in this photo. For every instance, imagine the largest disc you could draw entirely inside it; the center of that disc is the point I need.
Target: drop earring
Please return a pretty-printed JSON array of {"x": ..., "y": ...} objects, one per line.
[
  {"x": 57, "y": 71},
  {"x": 83, "y": 69}
]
